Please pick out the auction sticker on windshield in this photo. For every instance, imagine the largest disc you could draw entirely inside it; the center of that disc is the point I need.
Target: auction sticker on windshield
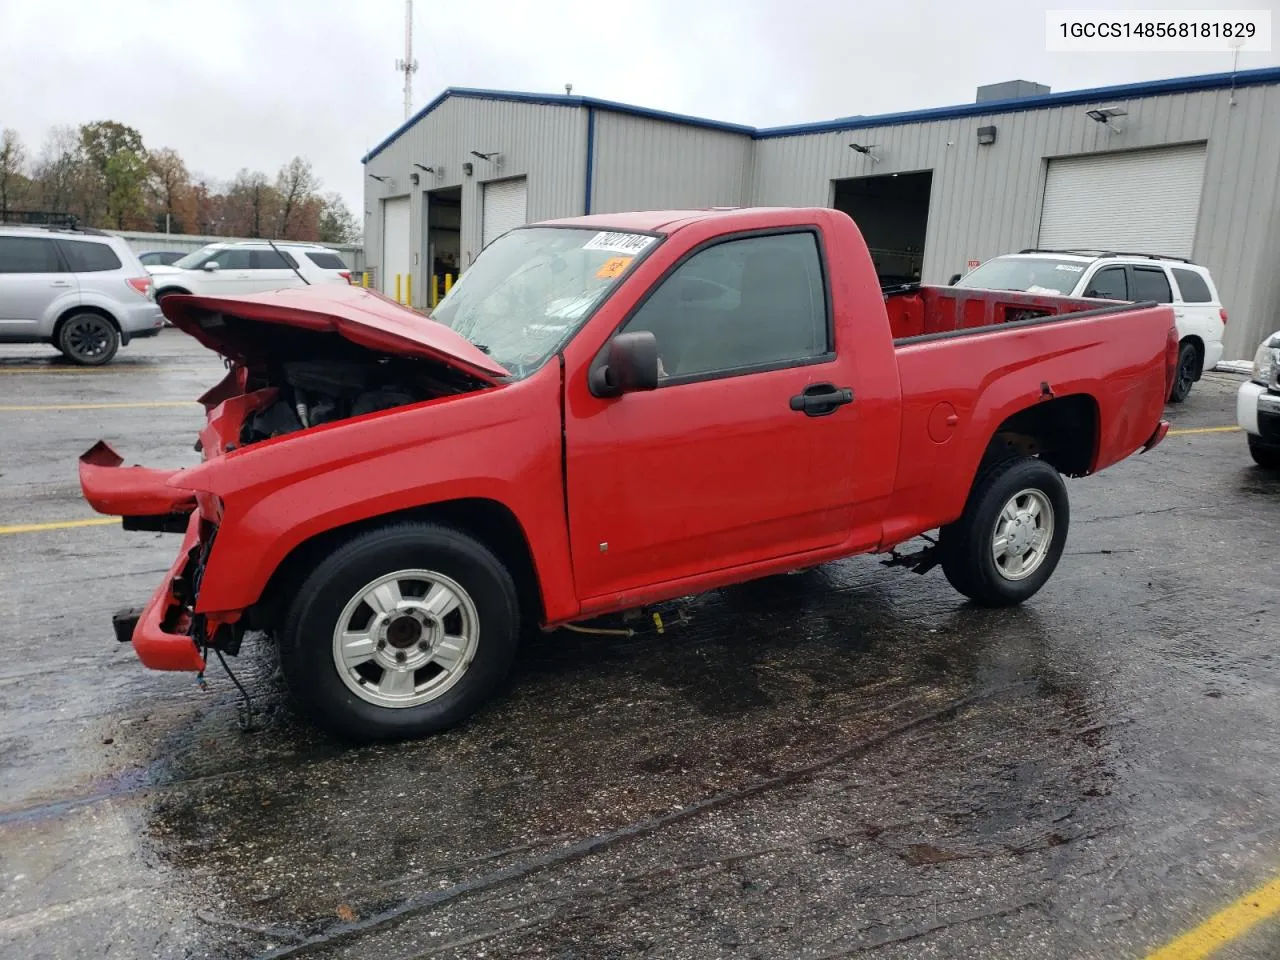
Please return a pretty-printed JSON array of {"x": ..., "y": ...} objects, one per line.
[
  {"x": 632, "y": 243},
  {"x": 612, "y": 267}
]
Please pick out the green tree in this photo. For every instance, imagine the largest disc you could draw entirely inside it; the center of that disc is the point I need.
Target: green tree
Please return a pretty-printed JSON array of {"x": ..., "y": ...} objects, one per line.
[
  {"x": 337, "y": 223},
  {"x": 125, "y": 180}
]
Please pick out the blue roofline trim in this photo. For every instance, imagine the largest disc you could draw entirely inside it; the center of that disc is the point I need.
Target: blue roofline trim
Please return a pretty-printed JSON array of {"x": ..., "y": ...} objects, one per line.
[
  {"x": 557, "y": 100},
  {"x": 1149, "y": 88}
]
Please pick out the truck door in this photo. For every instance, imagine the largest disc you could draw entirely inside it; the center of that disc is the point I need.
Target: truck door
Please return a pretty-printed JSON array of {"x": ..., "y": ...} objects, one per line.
[{"x": 728, "y": 461}]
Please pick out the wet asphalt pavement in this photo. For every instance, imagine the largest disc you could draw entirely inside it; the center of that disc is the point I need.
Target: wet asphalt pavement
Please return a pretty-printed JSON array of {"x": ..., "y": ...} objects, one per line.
[{"x": 841, "y": 762}]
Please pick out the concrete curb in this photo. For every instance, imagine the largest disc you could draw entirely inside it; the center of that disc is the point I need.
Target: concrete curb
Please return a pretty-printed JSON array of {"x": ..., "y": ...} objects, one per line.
[{"x": 1235, "y": 366}]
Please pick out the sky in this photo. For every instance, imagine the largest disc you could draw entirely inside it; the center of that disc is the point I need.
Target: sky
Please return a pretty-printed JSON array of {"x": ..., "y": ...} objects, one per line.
[{"x": 251, "y": 83}]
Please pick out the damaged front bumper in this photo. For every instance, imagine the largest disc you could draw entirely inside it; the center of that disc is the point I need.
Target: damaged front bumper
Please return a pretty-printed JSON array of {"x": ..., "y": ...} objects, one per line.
[{"x": 167, "y": 634}]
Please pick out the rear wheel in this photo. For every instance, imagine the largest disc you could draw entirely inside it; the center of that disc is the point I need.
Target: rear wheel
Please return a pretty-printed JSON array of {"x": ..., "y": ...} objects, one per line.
[
  {"x": 1265, "y": 456},
  {"x": 1009, "y": 539},
  {"x": 89, "y": 339},
  {"x": 1185, "y": 376},
  {"x": 403, "y": 631}
]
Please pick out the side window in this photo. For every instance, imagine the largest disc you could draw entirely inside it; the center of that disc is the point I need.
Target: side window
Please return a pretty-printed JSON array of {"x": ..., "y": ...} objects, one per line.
[
  {"x": 327, "y": 261},
  {"x": 85, "y": 256},
  {"x": 741, "y": 303},
  {"x": 231, "y": 259},
  {"x": 28, "y": 255},
  {"x": 1192, "y": 286},
  {"x": 1151, "y": 283},
  {"x": 1109, "y": 283},
  {"x": 270, "y": 260}
]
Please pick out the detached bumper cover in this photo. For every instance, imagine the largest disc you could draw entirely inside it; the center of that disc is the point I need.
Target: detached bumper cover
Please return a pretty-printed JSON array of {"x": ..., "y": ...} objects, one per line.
[
  {"x": 121, "y": 491},
  {"x": 1160, "y": 432},
  {"x": 162, "y": 637}
]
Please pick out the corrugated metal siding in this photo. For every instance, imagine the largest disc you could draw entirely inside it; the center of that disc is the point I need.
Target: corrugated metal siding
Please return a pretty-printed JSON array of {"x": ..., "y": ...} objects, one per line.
[
  {"x": 643, "y": 164},
  {"x": 986, "y": 199},
  {"x": 546, "y": 144}
]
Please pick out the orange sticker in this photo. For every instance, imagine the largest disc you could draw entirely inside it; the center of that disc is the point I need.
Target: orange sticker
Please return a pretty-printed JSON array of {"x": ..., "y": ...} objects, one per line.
[{"x": 612, "y": 267}]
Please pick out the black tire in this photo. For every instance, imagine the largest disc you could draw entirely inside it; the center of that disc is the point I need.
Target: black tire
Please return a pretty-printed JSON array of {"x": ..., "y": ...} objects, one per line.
[
  {"x": 1265, "y": 456},
  {"x": 88, "y": 339},
  {"x": 306, "y": 635},
  {"x": 1186, "y": 373},
  {"x": 966, "y": 546}
]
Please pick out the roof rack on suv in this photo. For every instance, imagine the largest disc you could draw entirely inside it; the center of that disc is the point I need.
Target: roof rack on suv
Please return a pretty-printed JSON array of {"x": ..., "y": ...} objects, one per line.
[
  {"x": 53, "y": 228},
  {"x": 1099, "y": 254}
]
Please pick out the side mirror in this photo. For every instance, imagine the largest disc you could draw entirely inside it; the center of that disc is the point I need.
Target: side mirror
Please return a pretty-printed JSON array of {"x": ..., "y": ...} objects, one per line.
[
  {"x": 955, "y": 278},
  {"x": 211, "y": 266},
  {"x": 628, "y": 363}
]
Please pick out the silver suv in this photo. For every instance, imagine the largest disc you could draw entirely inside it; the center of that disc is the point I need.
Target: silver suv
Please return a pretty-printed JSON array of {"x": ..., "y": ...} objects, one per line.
[{"x": 81, "y": 290}]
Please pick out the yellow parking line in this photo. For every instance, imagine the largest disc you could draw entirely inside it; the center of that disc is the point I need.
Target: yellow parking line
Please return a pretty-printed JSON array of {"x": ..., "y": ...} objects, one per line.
[
  {"x": 34, "y": 407},
  {"x": 1190, "y": 430},
  {"x": 1228, "y": 924},
  {"x": 58, "y": 525},
  {"x": 4, "y": 369}
]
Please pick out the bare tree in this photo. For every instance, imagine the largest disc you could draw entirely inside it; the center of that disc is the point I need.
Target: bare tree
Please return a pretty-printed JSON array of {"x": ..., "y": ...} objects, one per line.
[
  {"x": 57, "y": 171},
  {"x": 171, "y": 186},
  {"x": 295, "y": 184},
  {"x": 13, "y": 161},
  {"x": 250, "y": 204}
]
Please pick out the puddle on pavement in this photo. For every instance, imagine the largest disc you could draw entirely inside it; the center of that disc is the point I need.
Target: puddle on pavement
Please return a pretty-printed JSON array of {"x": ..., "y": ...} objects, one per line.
[{"x": 287, "y": 828}]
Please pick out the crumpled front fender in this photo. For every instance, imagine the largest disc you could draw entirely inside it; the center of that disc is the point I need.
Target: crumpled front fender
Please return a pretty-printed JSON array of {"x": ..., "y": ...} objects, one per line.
[{"x": 122, "y": 491}]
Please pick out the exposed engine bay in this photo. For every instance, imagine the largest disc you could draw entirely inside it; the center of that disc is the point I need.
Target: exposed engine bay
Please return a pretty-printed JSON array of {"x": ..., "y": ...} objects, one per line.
[{"x": 341, "y": 380}]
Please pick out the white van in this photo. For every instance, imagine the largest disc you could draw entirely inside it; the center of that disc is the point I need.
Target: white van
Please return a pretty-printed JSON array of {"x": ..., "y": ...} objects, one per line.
[{"x": 1121, "y": 276}]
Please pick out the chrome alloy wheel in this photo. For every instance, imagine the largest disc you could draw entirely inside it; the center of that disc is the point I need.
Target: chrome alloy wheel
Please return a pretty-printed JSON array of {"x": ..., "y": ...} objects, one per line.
[
  {"x": 1022, "y": 535},
  {"x": 406, "y": 638}
]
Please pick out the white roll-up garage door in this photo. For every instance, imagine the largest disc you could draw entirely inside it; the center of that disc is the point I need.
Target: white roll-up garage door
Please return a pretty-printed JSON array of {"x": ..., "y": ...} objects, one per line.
[
  {"x": 506, "y": 205},
  {"x": 1144, "y": 201},
  {"x": 395, "y": 245}
]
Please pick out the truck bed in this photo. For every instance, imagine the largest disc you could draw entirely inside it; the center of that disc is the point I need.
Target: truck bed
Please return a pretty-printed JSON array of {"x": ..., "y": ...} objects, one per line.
[{"x": 916, "y": 310}]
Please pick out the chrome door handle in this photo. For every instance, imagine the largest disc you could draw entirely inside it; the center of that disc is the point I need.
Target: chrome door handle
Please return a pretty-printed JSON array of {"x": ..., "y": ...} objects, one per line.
[{"x": 60, "y": 283}]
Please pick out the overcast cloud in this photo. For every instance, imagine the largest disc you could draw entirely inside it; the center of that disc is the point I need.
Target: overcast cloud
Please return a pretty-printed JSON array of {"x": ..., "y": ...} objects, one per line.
[{"x": 250, "y": 83}]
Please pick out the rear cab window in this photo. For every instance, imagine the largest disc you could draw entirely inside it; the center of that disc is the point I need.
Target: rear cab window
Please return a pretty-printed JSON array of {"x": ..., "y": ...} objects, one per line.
[
  {"x": 29, "y": 255},
  {"x": 1192, "y": 286},
  {"x": 85, "y": 256}
]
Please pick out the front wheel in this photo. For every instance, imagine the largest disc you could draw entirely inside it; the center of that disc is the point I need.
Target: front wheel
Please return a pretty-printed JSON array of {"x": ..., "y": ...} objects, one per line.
[
  {"x": 1009, "y": 539},
  {"x": 1265, "y": 456},
  {"x": 401, "y": 632},
  {"x": 1188, "y": 367}
]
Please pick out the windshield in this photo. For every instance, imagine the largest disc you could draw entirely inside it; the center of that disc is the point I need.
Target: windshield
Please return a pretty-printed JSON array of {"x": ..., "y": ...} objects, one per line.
[
  {"x": 1029, "y": 274},
  {"x": 196, "y": 258},
  {"x": 531, "y": 289}
]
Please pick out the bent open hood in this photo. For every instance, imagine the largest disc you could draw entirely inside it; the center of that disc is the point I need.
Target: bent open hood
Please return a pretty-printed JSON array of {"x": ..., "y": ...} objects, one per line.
[{"x": 361, "y": 316}]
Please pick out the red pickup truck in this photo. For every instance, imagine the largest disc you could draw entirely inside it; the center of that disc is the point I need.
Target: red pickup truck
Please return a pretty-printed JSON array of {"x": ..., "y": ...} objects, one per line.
[{"x": 607, "y": 412}]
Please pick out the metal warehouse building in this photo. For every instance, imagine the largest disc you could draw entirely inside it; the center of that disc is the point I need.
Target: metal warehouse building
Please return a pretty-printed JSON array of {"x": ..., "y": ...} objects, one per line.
[{"x": 1184, "y": 167}]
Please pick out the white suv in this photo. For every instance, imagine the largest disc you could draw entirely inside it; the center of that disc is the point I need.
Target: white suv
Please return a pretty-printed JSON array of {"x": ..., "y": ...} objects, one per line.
[
  {"x": 1122, "y": 276},
  {"x": 249, "y": 266},
  {"x": 80, "y": 290},
  {"x": 1258, "y": 405}
]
